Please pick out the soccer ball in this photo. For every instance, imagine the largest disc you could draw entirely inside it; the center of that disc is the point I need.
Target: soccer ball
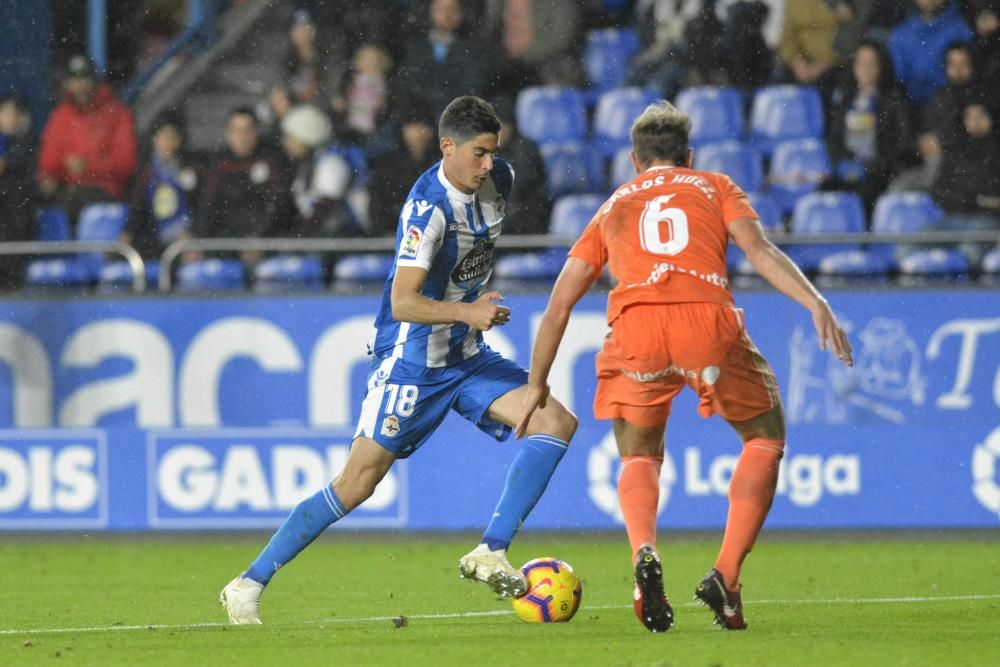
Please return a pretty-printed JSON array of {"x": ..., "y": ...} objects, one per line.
[{"x": 554, "y": 592}]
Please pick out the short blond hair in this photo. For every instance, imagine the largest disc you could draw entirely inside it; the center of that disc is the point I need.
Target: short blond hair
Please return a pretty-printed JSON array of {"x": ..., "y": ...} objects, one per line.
[{"x": 661, "y": 133}]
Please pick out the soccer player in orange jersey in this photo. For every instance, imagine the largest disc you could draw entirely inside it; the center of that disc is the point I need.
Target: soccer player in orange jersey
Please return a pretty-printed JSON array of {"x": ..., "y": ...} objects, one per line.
[{"x": 673, "y": 323}]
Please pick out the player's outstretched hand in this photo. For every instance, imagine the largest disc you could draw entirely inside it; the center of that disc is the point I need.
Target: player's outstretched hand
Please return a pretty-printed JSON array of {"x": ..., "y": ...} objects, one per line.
[
  {"x": 831, "y": 334},
  {"x": 485, "y": 313},
  {"x": 534, "y": 399}
]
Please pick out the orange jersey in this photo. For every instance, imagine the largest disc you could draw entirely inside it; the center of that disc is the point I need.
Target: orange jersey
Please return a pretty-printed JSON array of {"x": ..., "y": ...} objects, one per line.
[{"x": 664, "y": 235}]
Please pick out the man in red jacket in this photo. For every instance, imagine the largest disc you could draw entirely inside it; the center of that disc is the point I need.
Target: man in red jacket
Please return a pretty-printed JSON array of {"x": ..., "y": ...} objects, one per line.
[{"x": 88, "y": 149}]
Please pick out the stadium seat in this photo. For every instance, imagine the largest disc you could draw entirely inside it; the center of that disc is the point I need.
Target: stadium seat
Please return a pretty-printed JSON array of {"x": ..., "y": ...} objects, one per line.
[
  {"x": 551, "y": 114},
  {"x": 572, "y": 168},
  {"x": 606, "y": 59},
  {"x": 99, "y": 222},
  {"x": 902, "y": 213},
  {"x": 931, "y": 266},
  {"x": 716, "y": 113},
  {"x": 117, "y": 276},
  {"x": 825, "y": 213},
  {"x": 854, "y": 263},
  {"x": 528, "y": 266},
  {"x": 741, "y": 162},
  {"x": 211, "y": 275},
  {"x": 991, "y": 268},
  {"x": 570, "y": 215},
  {"x": 768, "y": 211},
  {"x": 52, "y": 225},
  {"x": 56, "y": 273},
  {"x": 285, "y": 273},
  {"x": 797, "y": 168},
  {"x": 616, "y": 109},
  {"x": 622, "y": 170},
  {"x": 363, "y": 268},
  {"x": 781, "y": 113}
]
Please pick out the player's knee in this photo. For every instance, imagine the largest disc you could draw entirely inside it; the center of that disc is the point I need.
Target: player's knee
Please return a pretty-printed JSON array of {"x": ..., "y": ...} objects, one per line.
[
  {"x": 556, "y": 420},
  {"x": 354, "y": 487}
]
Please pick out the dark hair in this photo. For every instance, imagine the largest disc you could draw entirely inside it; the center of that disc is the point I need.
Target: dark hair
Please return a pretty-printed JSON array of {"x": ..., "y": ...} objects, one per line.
[
  {"x": 242, "y": 110},
  {"x": 467, "y": 117},
  {"x": 886, "y": 73},
  {"x": 661, "y": 132}
]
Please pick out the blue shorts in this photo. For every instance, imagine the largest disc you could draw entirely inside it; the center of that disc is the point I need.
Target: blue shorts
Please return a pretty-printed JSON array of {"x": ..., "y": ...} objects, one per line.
[{"x": 406, "y": 402}]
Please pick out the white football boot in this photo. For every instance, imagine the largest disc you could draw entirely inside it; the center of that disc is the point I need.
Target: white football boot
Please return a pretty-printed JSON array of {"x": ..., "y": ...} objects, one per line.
[
  {"x": 240, "y": 599},
  {"x": 492, "y": 568}
]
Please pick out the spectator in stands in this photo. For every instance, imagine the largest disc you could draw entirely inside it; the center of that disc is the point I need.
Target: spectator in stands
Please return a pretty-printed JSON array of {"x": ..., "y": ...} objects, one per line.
[
  {"x": 747, "y": 59},
  {"x": 679, "y": 45},
  {"x": 806, "y": 48},
  {"x": 986, "y": 47},
  {"x": 771, "y": 22},
  {"x": 918, "y": 46},
  {"x": 88, "y": 149},
  {"x": 17, "y": 183},
  {"x": 444, "y": 62},
  {"x": 869, "y": 135},
  {"x": 305, "y": 75},
  {"x": 539, "y": 41},
  {"x": 968, "y": 183},
  {"x": 163, "y": 194},
  {"x": 393, "y": 173},
  {"x": 365, "y": 96},
  {"x": 245, "y": 187},
  {"x": 321, "y": 178},
  {"x": 942, "y": 119},
  {"x": 528, "y": 206}
]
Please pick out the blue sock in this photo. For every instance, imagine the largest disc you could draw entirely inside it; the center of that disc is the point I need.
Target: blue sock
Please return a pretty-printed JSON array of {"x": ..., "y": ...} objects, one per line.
[
  {"x": 303, "y": 525},
  {"x": 526, "y": 481}
]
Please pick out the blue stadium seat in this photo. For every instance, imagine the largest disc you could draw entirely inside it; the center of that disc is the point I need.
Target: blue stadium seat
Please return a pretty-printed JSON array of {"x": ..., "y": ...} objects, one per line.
[
  {"x": 117, "y": 276},
  {"x": 741, "y": 162},
  {"x": 616, "y": 109},
  {"x": 52, "y": 224},
  {"x": 99, "y": 222},
  {"x": 606, "y": 58},
  {"x": 716, "y": 113},
  {"x": 768, "y": 211},
  {"x": 572, "y": 168},
  {"x": 526, "y": 266},
  {"x": 991, "y": 268},
  {"x": 781, "y": 113},
  {"x": 211, "y": 275},
  {"x": 622, "y": 170},
  {"x": 825, "y": 213},
  {"x": 902, "y": 213},
  {"x": 854, "y": 263},
  {"x": 933, "y": 265},
  {"x": 56, "y": 273},
  {"x": 797, "y": 168},
  {"x": 284, "y": 273},
  {"x": 363, "y": 268},
  {"x": 551, "y": 114},
  {"x": 571, "y": 214}
]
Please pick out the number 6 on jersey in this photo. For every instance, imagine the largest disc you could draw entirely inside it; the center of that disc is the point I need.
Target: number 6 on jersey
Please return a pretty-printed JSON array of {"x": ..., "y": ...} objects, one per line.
[{"x": 649, "y": 227}]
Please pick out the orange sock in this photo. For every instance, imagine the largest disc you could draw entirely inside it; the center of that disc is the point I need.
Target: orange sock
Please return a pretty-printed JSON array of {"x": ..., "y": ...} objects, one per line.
[
  {"x": 751, "y": 491},
  {"x": 638, "y": 494}
]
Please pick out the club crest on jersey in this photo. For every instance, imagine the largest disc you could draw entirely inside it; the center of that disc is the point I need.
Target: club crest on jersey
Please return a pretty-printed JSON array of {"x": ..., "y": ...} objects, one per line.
[
  {"x": 411, "y": 242},
  {"x": 390, "y": 426}
]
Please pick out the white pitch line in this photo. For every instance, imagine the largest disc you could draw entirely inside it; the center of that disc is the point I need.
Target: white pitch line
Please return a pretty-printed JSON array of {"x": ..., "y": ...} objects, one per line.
[{"x": 477, "y": 614}]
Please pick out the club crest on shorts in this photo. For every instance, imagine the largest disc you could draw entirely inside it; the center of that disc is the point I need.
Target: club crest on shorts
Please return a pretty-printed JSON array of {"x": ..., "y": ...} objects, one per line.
[
  {"x": 390, "y": 426},
  {"x": 411, "y": 242}
]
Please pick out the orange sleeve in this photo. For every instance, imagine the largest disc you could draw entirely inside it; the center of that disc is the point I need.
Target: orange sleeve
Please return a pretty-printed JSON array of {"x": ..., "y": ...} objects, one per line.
[
  {"x": 734, "y": 201},
  {"x": 590, "y": 247}
]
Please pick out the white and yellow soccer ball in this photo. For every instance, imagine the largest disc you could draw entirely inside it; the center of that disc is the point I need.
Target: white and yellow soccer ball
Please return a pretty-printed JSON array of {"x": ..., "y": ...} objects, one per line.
[{"x": 554, "y": 592}]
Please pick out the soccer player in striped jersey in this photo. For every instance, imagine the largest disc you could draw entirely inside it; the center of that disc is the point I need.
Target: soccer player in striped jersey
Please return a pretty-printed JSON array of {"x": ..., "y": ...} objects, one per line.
[
  {"x": 673, "y": 324},
  {"x": 429, "y": 357}
]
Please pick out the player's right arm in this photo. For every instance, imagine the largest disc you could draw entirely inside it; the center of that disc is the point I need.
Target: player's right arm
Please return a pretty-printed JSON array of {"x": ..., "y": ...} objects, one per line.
[
  {"x": 409, "y": 305},
  {"x": 779, "y": 270}
]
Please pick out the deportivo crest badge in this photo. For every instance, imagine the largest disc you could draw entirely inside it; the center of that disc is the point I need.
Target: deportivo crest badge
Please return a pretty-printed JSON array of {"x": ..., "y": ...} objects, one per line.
[
  {"x": 411, "y": 242},
  {"x": 390, "y": 426}
]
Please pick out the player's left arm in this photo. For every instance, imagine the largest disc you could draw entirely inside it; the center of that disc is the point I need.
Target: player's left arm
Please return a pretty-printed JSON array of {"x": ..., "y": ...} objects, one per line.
[{"x": 576, "y": 277}]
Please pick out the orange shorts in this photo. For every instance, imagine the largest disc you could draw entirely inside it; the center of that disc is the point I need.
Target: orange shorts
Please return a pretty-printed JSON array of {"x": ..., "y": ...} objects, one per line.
[{"x": 653, "y": 350}]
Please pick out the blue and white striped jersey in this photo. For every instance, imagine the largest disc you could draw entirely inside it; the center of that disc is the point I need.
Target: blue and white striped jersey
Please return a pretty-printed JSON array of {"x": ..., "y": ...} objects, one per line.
[{"x": 452, "y": 236}]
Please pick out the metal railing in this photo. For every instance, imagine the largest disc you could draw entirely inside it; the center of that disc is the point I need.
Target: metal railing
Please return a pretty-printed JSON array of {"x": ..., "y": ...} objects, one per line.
[
  {"x": 523, "y": 242},
  {"x": 128, "y": 253}
]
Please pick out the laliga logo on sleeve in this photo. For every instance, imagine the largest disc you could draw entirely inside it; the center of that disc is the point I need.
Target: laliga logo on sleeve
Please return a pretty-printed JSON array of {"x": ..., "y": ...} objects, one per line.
[
  {"x": 411, "y": 242},
  {"x": 603, "y": 469},
  {"x": 984, "y": 472}
]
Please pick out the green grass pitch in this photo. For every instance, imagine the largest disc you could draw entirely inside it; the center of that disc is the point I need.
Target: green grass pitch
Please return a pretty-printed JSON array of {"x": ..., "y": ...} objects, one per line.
[{"x": 862, "y": 599}]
